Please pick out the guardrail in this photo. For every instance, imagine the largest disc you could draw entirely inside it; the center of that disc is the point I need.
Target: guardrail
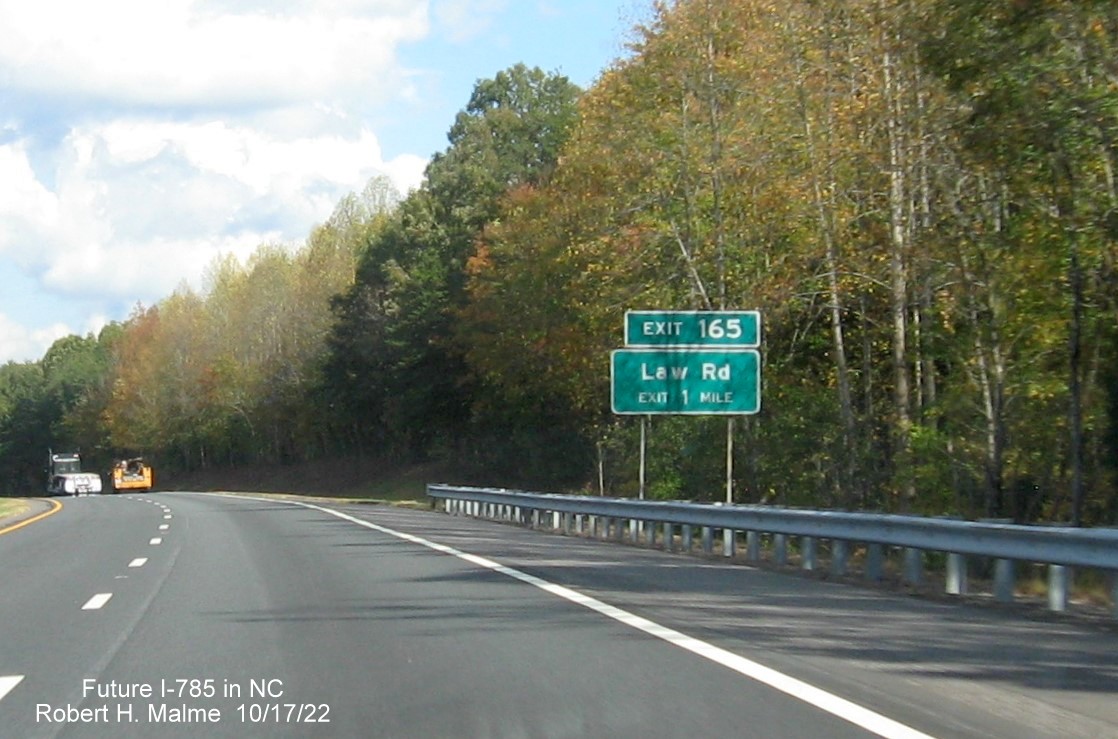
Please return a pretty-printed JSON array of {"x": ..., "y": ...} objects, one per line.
[{"x": 1060, "y": 548}]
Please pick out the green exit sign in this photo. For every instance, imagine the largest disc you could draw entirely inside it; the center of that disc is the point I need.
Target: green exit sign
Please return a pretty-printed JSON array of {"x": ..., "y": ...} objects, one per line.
[
  {"x": 687, "y": 382},
  {"x": 693, "y": 329}
]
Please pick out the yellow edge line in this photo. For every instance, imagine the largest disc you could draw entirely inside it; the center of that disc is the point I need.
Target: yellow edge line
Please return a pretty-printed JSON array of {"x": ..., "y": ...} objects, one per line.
[{"x": 57, "y": 506}]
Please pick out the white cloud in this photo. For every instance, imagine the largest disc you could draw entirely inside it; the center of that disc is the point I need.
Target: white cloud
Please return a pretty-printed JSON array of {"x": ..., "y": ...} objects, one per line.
[
  {"x": 141, "y": 139},
  {"x": 26, "y": 207},
  {"x": 150, "y": 203},
  {"x": 19, "y": 344},
  {"x": 185, "y": 52},
  {"x": 463, "y": 20}
]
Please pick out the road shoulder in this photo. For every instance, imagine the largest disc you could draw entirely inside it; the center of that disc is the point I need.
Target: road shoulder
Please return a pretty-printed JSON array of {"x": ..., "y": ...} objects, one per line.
[{"x": 32, "y": 508}]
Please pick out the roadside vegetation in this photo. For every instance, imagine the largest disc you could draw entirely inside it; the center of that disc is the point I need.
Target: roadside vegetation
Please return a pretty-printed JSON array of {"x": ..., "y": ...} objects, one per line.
[
  {"x": 11, "y": 507},
  {"x": 918, "y": 195}
]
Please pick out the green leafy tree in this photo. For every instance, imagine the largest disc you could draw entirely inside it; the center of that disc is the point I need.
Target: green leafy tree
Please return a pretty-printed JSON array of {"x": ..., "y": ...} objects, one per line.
[
  {"x": 1037, "y": 80},
  {"x": 393, "y": 349}
]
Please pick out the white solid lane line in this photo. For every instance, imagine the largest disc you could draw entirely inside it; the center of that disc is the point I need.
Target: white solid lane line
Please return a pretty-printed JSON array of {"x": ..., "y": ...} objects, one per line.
[
  {"x": 7, "y": 682},
  {"x": 97, "y": 601},
  {"x": 138, "y": 562},
  {"x": 836, "y": 706}
]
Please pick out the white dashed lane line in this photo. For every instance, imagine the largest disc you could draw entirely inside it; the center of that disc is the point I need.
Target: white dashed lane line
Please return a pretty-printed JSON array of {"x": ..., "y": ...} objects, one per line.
[
  {"x": 164, "y": 527},
  {"x": 7, "y": 682},
  {"x": 138, "y": 562},
  {"x": 155, "y": 541},
  {"x": 96, "y": 602}
]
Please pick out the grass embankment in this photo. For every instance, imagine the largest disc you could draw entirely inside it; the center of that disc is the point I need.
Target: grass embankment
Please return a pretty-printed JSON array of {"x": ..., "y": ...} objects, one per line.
[{"x": 11, "y": 507}]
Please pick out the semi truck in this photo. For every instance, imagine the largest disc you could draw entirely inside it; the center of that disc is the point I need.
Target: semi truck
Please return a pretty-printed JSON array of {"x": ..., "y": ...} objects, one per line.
[{"x": 65, "y": 476}]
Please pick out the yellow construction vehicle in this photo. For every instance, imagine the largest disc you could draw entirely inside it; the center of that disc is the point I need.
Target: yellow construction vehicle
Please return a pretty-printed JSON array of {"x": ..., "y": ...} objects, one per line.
[{"x": 131, "y": 474}]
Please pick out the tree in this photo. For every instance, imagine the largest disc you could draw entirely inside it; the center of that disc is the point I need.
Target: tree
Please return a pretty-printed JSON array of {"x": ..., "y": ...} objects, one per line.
[
  {"x": 1038, "y": 81},
  {"x": 393, "y": 346}
]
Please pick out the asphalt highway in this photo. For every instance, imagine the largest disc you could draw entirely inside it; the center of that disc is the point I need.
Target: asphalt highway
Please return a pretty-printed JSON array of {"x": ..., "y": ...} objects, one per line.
[{"x": 181, "y": 614}]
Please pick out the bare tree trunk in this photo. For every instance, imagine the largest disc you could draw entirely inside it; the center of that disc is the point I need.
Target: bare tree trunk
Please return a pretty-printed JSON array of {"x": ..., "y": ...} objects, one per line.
[
  {"x": 1075, "y": 385},
  {"x": 982, "y": 315},
  {"x": 898, "y": 271},
  {"x": 1064, "y": 189},
  {"x": 824, "y": 210}
]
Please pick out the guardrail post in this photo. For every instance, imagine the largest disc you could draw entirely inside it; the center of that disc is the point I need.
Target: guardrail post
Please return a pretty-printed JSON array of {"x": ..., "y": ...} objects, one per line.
[
  {"x": 708, "y": 540},
  {"x": 956, "y": 574},
  {"x": 840, "y": 551},
  {"x": 669, "y": 536},
  {"x": 753, "y": 546},
  {"x": 685, "y": 538},
  {"x": 650, "y": 533},
  {"x": 875, "y": 561},
  {"x": 807, "y": 544},
  {"x": 1059, "y": 577},
  {"x": 535, "y": 519},
  {"x": 728, "y": 542},
  {"x": 633, "y": 536},
  {"x": 913, "y": 565},
  {"x": 1004, "y": 580},
  {"x": 618, "y": 530},
  {"x": 780, "y": 549}
]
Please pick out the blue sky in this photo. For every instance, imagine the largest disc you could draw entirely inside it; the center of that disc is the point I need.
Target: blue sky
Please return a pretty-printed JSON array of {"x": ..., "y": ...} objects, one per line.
[{"x": 141, "y": 140}]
